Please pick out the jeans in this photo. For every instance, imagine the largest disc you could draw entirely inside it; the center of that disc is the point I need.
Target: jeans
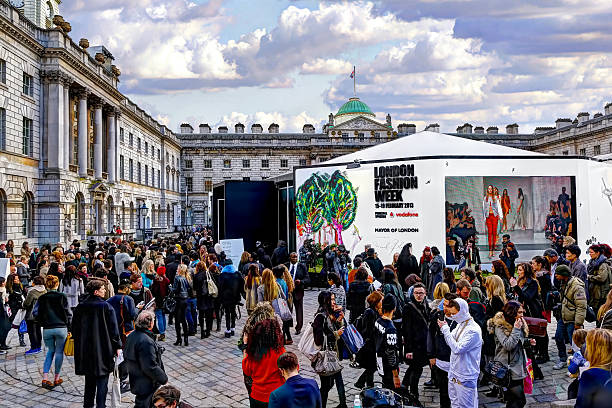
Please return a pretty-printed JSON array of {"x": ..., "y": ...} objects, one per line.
[
  {"x": 563, "y": 336},
  {"x": 515, "y": 396},
  {"x": 327, "y": 383},
  {"x": 54, "y": 341},
  {"x": 192, "y": 314},
  {"x": 95, "y": 388},
  {"x": 34, "y": 334},
  {"x": 412, "y": 377},
  {"x": 230, "y": 316},
  {"x": 161, "y": 321},
  {"x": 206, "y": 315},
  {"x": 179, "y": 316}
]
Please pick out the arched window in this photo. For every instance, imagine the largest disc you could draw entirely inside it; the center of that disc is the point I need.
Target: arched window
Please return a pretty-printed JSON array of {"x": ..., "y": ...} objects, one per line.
[
  {"x": 168, "y": 217},
  {"x": 27, "y": 211},
  {"x": 3, "y": 213},
  {"x": 79, "y": 214}
]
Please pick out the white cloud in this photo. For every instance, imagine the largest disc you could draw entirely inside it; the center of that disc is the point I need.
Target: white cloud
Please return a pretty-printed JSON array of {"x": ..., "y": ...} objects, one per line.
[{"x": 328, "y": 66}]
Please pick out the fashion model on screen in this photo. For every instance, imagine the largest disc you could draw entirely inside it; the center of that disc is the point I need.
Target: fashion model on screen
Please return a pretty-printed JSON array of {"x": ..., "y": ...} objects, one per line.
[
  {"x": 491, "y": 209},
  {"x": 505, "y": 205},
  {"x": 521, "y": 216}
]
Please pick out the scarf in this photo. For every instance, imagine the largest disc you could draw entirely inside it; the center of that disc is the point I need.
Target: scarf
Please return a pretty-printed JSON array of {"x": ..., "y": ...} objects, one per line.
[{"x": 595, "y": 263}]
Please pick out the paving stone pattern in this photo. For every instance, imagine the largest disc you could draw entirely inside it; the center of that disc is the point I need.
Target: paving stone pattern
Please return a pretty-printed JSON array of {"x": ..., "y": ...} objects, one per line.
[{"x": 209, "y": 374}]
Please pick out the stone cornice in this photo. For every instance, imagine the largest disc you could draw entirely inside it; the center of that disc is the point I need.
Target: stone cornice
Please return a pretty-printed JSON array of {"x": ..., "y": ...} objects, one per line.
[
  {"x": 125, "y": 111},
  {"x": 83, "y": 69},
  {"x": 24, "y": 38}
]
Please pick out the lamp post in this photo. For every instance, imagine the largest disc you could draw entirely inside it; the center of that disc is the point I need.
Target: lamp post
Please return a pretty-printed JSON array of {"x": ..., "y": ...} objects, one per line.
[{"x": 143, "y": 211}]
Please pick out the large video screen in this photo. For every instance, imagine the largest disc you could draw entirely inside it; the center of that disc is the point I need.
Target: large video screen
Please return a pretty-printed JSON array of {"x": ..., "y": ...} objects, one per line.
[{"x": 481, "y": 210}]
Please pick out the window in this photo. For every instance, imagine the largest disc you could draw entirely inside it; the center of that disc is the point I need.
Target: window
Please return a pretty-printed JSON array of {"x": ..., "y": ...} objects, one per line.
[
  {"x": 566, "y": 153},
  {"x": 246, "y": 163},
  {"x": 361, "y": 137},
  {"x": 610, "y": 147},
  {"x": 227, "y": 163},
  {"x": 208, "y": 185},
  {"x": 146, "y": 148},
  {"x": 189, "y": 184},
  {"x": 189, "y": 164},
  {"x": 146, "y": 179},
  {"x": 131, "y": 170},
  {"x": 158, "y": 154},
  {"x": 377, "y": 135},
  {"x": 265, "y": 163},
  {"x": 302, "y": 162},
  {"x": 139, "y": 173},
  {"x": 121, "y": 135},
  {"x": 596, "y": 150},
  {"x": 3, "y": 71},
  {"x": 2, "y": 129},
  {"x": 152, "y": 151},
  {"x": 582, "y": 152},
  {"x": 167, "y": 157},
  {"x": 28, "y": 84},
  {"x": 345, "y": 135},
  {"x": 26, "y": 213},
  {"x": 208, "y": 164},
  {"x": 284, "y": 163},
  {"x": 28, "y": 129},
  {"x": 138, "y": 144},
  {"x": 121, "y": 167},
  {"x": 78, "y": 214},
  {"x": 158, "y": 178},
  {"x": 246, "y": 179},
  {"x": 131, "y": 139}
]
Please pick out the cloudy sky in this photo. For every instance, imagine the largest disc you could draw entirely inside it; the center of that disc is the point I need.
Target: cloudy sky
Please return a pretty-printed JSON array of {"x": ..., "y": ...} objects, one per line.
[{"x": 486, "y": 62}]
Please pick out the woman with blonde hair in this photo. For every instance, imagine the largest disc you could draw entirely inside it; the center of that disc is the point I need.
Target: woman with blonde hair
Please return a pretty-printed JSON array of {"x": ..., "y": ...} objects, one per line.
[
  {"x": 595, "y": 387},
  {"x": 268, "y": 290},
  {"x": 494, "y": 303},
  {"x": 180, "y": 289},
  {"x": 244, "y": 262},
  {"x": 604, "y": 316},
  {"x": 440, "y": 290},
  {"x": 252, "y": 282},
  {"x": 148, "y": 273}
]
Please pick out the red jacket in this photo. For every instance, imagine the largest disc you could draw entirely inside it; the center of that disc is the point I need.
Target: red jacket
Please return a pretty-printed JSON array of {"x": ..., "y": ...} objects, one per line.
[{"x": 265, "y": 374}]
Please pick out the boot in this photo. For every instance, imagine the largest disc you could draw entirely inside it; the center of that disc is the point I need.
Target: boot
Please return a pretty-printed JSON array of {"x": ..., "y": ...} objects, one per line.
[
  {"x": 218, "y": 325},
  {"x": 202, "y": 334},
  {"x": 207, "y": 334},
  {"x": 178, "y": 342},
  {"x": 186, "y": 339}
]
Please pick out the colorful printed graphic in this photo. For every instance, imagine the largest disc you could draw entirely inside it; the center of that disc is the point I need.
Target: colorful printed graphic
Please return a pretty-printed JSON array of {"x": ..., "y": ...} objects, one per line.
[{"x": 325, "y": 205}]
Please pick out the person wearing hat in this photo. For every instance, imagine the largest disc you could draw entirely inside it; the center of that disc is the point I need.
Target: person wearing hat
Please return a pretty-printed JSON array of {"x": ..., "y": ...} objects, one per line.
[
  {"x": 387, "y": 350},
  {"x": 573, "y": 310}
]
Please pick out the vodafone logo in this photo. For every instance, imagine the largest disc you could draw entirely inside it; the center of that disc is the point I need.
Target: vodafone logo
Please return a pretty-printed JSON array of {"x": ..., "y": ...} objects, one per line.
[
  {"x": 391, "y": 214},
  {"x": 407, "y": 214}
]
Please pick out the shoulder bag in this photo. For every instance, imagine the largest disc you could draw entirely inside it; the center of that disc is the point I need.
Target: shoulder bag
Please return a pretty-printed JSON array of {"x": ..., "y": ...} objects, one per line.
[
  {"x": 169, "y": 303},
  {"x": 326, "y": 363},
  {"x": 212, "y": 287}
]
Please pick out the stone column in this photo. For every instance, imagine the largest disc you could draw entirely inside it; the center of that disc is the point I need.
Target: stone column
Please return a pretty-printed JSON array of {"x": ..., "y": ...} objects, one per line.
[
  {"x": 55, "y": 119},
  {"x": 98, "y": 140},
  {"x": 82, "y": 154},
  {"x": 112, "y": 147},
  {"x": 68, "y": 145},
  {"x": 115, "y": 156}
]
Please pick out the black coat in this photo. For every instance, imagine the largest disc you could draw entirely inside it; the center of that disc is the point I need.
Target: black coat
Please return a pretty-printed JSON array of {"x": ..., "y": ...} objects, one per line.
[
  {"x": 436, "y": 345},
  {"x": 358, "y": 291},
  {"x": 280, "y": 256},
  {"x": 415, "y": 322},
  {"x": 171, "y": 269},
  {"x": 200, "y": 287},
  {"x": 301, "y": 274},
  {"x": 366, "y": 356},
  {"x": 529, "y": 296},
  {"x": 53, "y": 310},
  {"x": 376, "y": 267},
  {"x": 143, "y": 356},
  {"x": 546, "y": 286},
  {"x": 96, "y": 337},
  {"x": 231, "y": 288},
  {"x": 406, "y": 266}
]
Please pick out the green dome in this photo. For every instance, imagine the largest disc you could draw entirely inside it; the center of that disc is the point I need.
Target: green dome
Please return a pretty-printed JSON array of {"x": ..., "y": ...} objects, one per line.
[{"x": 354, "y": 105}]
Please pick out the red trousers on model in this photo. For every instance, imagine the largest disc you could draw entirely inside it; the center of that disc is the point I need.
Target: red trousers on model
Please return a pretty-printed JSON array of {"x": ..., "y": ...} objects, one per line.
[{"x": 491, "y": 223}]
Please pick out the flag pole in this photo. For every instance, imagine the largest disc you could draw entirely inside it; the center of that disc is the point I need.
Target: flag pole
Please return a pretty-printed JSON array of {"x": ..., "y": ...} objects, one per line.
[{"x": 354, "y": 81}]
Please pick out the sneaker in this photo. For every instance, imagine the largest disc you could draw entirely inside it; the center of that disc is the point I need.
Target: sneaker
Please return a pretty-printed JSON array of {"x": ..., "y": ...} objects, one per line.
[
  {"x": 31, "y": 351},
  {"x": 3, "y": 352},
  {"x": 559, "y": 366},
  {"x": 228, "y": 334},
  {"x": 233, "y": 331},
  {"x": 5, "y": 348},
  {"x": 38, "y": 350}
]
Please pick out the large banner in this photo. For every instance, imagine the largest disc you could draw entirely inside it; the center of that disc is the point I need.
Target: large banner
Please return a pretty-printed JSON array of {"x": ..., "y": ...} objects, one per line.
[{"x": 379, "y": 205}]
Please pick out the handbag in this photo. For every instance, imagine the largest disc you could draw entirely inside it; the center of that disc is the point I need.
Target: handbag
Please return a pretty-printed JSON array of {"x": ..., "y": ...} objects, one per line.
[
  {"x": 528, "y": 380},
  {"x": 69, "y": 346},
  {"x": 23, "y": 327},
  {"x": 537, "y": 327},
  {"x": 498, "y": 372},
  {"x": 282, "y": 309},
  {"x": 352, "y": 339},
  {"x": 116, "y": 388},
  {"x": 307, "y": 344},
  {"x": 212, "y": 287},
  {"x": 326, "y": 363},
  {"x": 169, "y": 304},
  {"x": 19, "y": 317}
]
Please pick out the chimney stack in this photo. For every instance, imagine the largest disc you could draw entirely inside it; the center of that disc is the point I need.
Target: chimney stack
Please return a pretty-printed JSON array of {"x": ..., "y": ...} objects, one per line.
[
  {"x": 273, "y": 128},
  {"x": 492, "y": 130},
  {"x": 308, "y": 128},
  {"x": 222, "y": 129},
  {"x": 479, "y": 130},
  {"x": 256, "y": 128},
  {"x": 512, "y": 129},
  {"x": 204, "y": 128},
  {"x": 608, "y": 109},
  {"x": 239, "y": 128},
  {"x": 433, "y": 127},
  {"x": 406, "y": 129},
  {"x": 186, "y": 128},
  {"x": 562, "y": 122},
  {"x": 583, "y": 117}
]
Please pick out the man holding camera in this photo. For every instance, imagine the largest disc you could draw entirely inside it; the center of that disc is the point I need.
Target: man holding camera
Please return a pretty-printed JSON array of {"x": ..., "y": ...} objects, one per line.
[{"x": 509, "y": 254}]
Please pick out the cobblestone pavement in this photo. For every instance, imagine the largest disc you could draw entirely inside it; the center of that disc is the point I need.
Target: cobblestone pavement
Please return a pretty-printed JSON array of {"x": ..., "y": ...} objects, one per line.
[{"x": 209, "y": 374}]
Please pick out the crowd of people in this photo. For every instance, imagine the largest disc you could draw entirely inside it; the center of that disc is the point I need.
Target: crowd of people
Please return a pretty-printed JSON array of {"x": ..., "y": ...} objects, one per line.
[{"x": 114, "y": 301}]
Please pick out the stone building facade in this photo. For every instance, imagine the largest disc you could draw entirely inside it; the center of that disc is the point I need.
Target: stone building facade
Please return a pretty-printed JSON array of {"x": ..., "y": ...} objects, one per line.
[
  {"x": 61, "y": 121},
  {"x": 209, "y": 158}
]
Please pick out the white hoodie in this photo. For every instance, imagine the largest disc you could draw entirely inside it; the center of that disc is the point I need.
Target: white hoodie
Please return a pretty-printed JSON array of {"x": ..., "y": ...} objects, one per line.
[{"x": 465, "y": 343}]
